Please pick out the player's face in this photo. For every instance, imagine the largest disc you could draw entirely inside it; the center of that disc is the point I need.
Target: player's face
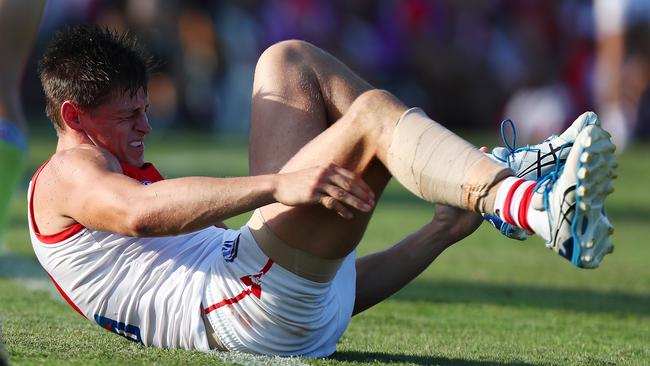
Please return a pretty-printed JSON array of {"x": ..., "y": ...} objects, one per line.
[{"x": 119, "y": 125}]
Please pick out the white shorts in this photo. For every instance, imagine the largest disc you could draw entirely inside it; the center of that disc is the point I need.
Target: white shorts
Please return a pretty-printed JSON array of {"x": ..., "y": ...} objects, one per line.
[{"x": 256, "y": 306}]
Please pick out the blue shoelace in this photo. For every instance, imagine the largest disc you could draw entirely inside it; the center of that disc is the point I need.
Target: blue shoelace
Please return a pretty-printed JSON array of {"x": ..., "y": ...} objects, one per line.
[{"x": 548, "y": 178}]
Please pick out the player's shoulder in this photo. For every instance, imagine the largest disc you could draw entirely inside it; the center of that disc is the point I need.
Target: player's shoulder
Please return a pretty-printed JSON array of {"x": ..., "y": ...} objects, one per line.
[{"x": 82, "y": 158}]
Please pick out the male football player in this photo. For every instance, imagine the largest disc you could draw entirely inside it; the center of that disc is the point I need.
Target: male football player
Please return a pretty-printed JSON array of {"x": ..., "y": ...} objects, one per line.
[{"x": 141, "y": 255}]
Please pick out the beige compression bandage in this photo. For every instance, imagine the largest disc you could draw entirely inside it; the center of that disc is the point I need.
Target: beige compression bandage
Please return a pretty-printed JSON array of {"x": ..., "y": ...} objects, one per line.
[{"x": 438, "y": 166}]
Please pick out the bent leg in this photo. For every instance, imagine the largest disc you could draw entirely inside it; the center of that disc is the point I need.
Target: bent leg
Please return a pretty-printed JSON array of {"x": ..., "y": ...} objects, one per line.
[
  {"x": 351, "y": 143},
  {"x": 300, "y": 91}
]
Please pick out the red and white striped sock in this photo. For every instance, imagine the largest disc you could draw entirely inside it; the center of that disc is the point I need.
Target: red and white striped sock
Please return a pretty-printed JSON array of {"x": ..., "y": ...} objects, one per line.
[{"x": 512, "y": 205}]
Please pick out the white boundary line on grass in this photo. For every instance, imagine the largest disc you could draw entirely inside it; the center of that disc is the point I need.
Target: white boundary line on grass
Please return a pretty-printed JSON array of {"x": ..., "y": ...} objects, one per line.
[{"x": 245, "y": 359}]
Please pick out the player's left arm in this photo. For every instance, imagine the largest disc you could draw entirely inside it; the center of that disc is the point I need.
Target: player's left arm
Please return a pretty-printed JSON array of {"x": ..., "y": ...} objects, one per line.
[{"x": 402, "y": 262}]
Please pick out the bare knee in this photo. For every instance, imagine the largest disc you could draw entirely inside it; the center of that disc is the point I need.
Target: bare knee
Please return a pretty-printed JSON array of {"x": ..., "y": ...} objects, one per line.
[
  {"x": 285, "y": 53},
  {"x": 374, "y": 99},
  {"x": 374, "y": 115},
  {"x": 376, "y": 108},
  {"x": 285, "y": 70}
]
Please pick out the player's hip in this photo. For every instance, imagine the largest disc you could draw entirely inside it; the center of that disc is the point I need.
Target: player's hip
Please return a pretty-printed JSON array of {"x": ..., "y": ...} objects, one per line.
[{"x": 255, "y": 305}]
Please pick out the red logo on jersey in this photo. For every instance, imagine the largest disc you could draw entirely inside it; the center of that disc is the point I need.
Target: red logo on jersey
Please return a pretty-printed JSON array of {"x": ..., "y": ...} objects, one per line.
[{"x": 254, "y": 284}]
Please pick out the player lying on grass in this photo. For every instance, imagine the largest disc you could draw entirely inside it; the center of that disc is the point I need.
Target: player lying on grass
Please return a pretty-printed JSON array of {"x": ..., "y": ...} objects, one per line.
[{"x": 142, "y": 257}]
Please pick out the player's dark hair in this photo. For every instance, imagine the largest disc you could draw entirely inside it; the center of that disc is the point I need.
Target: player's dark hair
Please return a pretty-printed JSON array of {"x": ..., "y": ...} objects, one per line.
[{"x": 85, "y": 64}]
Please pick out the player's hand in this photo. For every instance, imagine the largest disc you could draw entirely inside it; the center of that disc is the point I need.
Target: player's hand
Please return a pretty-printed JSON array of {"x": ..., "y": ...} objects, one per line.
[{"x": 333, "y": 187}]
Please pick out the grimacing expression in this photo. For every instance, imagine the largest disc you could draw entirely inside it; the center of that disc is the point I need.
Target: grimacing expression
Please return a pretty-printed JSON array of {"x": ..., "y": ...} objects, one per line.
[{"x": 119, "y": 125}]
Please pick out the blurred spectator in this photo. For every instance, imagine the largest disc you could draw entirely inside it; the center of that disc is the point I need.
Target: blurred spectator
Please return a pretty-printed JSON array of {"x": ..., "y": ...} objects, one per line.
[
  {"x": 622, "y": 66},
  {"x": 199, "y": 63},
  {"x": 616, "y": 114},
  {"x": 466, "y": 63},
  {"x": 239, "y": 32}
]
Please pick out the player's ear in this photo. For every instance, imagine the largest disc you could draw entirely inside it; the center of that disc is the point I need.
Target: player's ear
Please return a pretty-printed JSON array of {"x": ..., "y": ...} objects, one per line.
[{"x": 70, "y": 115}]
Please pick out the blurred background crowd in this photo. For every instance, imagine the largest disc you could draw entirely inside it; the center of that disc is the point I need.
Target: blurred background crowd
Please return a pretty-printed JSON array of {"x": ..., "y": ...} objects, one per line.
[{"x": 469, "y": 64}]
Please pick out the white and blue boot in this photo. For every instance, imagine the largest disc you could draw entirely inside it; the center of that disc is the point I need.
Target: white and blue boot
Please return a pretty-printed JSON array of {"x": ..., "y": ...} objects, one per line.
[
  {"x": 536, "y": 161},
  {"x": 573, "y": 198}
]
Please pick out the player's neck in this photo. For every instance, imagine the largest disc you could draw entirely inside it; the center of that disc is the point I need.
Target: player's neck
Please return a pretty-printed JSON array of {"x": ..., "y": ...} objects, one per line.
[{"x": 71, "y": 139}]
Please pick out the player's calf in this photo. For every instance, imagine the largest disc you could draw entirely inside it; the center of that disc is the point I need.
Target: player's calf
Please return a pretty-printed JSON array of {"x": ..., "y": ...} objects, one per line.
[{"x": 438, "y": 166}]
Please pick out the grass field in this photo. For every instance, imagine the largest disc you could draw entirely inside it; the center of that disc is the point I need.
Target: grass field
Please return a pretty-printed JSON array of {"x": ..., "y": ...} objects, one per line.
[{"x": 486, "y": 301}]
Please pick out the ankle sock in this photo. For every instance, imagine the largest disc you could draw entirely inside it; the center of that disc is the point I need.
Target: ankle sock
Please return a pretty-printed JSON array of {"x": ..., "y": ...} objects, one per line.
[{"x": 513, "y": 205}]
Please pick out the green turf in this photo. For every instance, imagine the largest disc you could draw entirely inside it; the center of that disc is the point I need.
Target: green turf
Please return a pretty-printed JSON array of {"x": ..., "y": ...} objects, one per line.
[{"x": 486, "y": 301}]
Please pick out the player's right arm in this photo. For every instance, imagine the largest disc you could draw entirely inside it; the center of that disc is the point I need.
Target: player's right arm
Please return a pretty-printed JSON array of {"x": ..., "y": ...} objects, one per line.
[{"x": 88, "y": 187}]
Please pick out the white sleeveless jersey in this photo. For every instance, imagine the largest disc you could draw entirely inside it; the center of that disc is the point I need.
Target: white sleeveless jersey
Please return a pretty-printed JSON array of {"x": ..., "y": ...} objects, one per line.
[{"x": 148, "y": 290}]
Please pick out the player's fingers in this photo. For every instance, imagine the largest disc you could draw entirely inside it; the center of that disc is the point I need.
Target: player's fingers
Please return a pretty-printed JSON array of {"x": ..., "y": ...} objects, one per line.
[
  {"x": 343, "y": 196},
  {"x": 483, "y": 149},
  {"x": 354, "y": 186},
  {"x": 331, "y": 203},
  {"x": 352, "y": 179}
]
